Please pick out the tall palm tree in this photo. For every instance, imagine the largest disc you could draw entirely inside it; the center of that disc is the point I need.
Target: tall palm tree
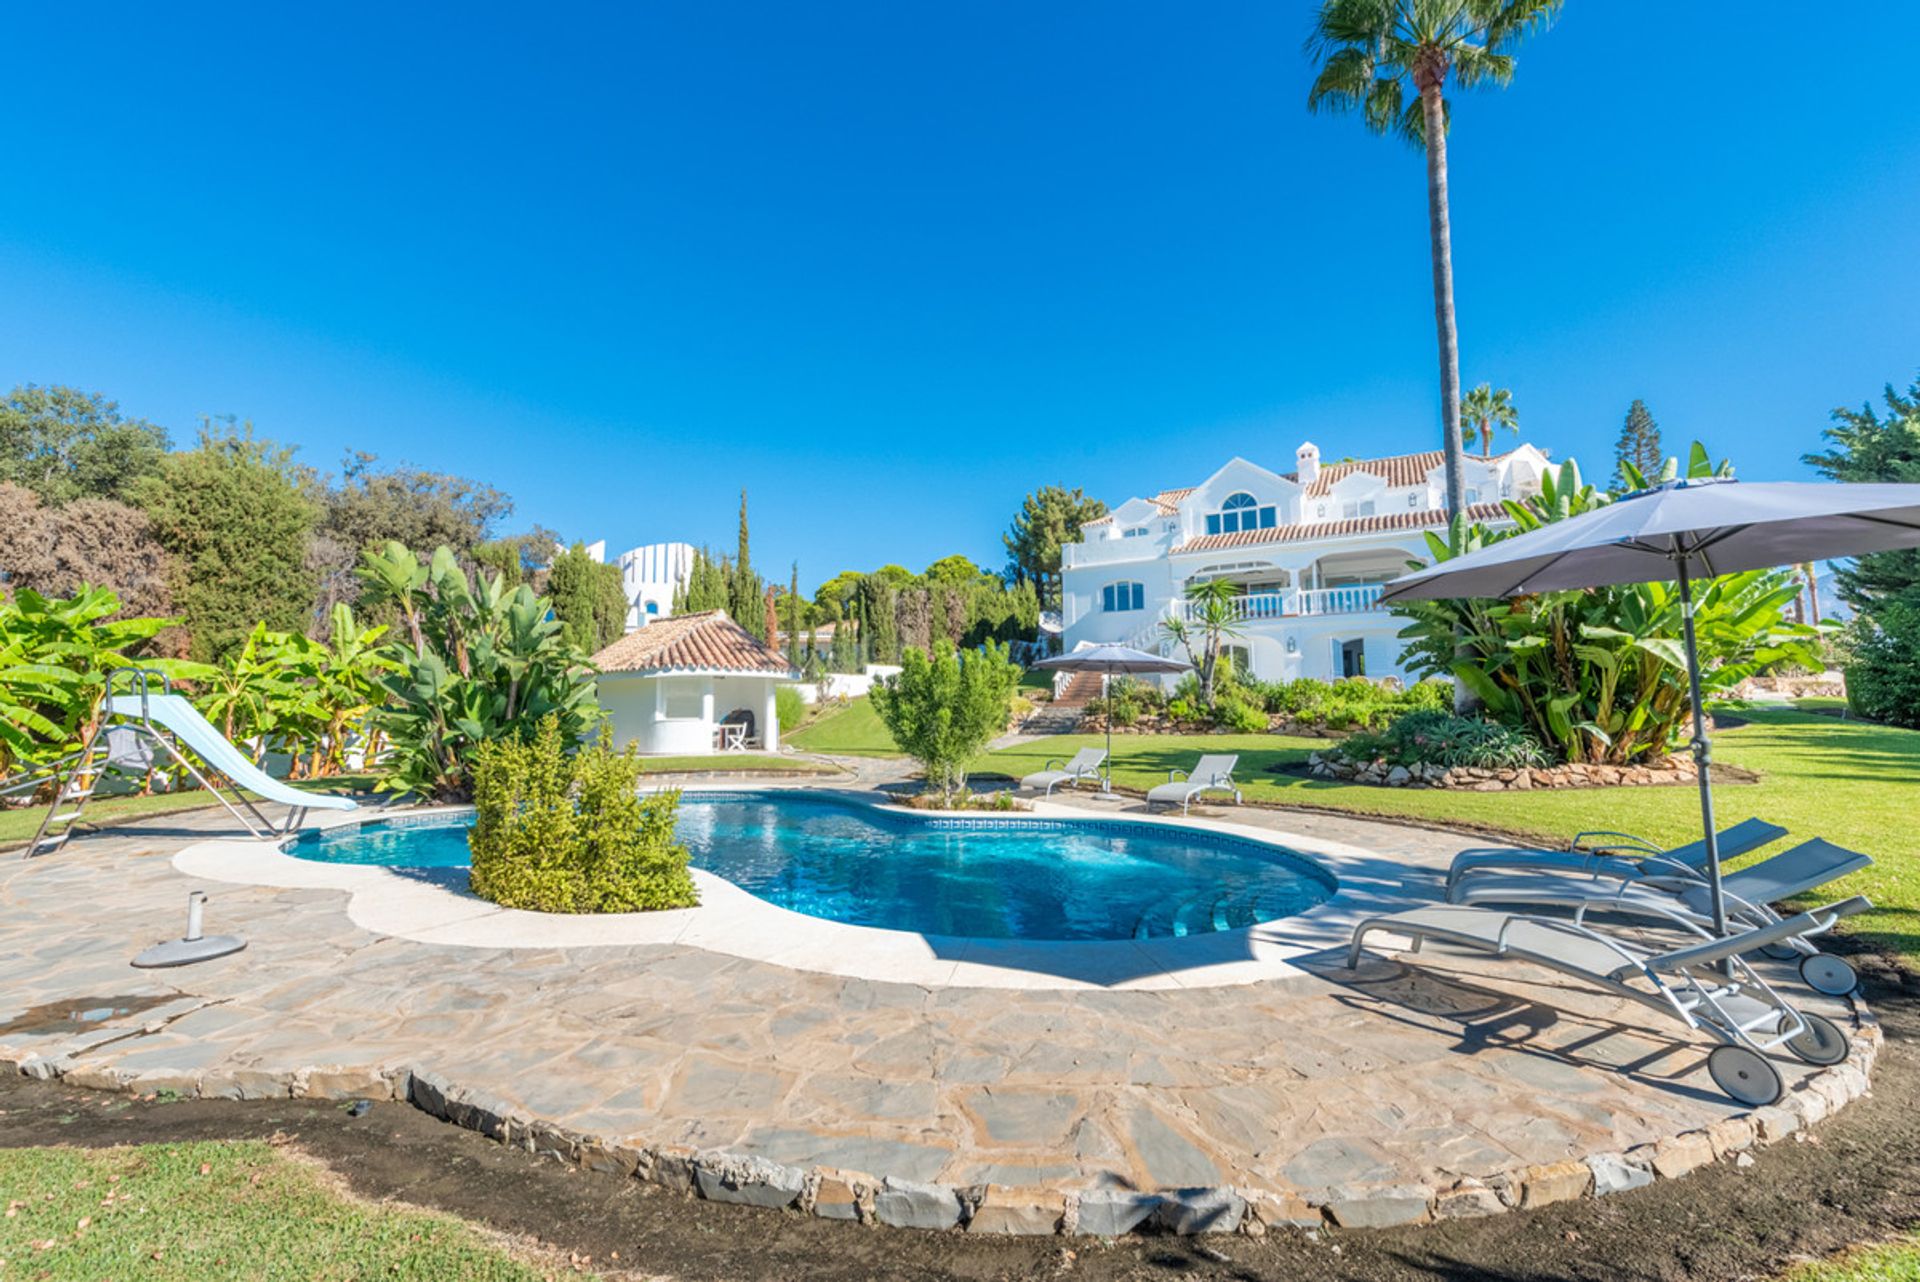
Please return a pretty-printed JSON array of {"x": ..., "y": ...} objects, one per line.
[
  {"x": 1369, "y": 51},
  {"x": 1484, "y": 411}
]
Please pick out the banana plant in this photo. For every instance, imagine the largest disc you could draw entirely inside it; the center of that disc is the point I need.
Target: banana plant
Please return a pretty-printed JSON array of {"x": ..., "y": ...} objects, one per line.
[
  {"x": 1600, "y": 674},
  {"x": 486, "y": 660},
  {"x": 57, "y": 655}
]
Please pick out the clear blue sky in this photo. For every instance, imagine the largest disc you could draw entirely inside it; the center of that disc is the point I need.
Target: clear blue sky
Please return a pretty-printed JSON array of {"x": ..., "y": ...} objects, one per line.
[{"x": 890, "y": 266}]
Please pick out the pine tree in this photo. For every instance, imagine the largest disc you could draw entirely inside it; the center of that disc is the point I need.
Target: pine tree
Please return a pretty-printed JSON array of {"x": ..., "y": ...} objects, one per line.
[
  {"x": 1639, "y": 445},
  {"x": 1864, "y": 445}
]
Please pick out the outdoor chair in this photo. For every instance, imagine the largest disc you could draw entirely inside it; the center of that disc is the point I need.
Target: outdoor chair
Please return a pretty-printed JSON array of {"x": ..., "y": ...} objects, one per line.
[
  {"x": 1684, "y": 899},
  {"x": 1209, "y": 774},
  {"x": 1086, "y": 764},
  {"x": 1707, "y": 985},
  {"x": 1619, "y": 855}
]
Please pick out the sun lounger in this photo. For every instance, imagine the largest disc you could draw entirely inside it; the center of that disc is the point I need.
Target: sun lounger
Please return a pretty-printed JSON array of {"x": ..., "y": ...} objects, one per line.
[
  {"x": 1707, "y": 985},
  {"x": 1209, "y": 774},
  {"x": 1086, "y": 764},
  {"x": 1685, "y": 900},
  {"x": 1617, "y": 854}
]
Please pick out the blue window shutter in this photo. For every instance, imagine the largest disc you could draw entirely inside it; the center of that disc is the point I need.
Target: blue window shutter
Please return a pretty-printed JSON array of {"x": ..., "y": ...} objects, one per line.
[
  {"x": 1267, "y": 517},
  {"x": 1213, "y": 523}
]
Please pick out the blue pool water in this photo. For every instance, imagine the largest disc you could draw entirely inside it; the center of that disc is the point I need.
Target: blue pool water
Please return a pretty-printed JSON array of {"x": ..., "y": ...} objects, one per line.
[{"x": 1039, "y": 879}]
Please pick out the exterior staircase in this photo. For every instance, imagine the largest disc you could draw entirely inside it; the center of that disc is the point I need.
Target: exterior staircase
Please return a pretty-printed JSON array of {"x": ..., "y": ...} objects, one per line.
[{"x": 1062, "y": 716}]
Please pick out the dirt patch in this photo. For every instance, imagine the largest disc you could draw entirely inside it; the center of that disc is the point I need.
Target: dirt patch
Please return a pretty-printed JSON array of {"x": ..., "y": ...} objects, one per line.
[{"x": 1854, "y": 1179}]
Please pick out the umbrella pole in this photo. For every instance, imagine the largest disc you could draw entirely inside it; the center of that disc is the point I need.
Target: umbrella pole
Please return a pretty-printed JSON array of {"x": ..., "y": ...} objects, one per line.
[
  {"x": 1702, "y": 752},
  {"x": 1106, "y": 694}
]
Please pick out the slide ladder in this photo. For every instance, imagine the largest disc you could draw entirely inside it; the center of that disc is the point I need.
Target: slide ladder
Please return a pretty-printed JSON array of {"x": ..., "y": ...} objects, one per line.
[
  {"x": 75, "y": 778},
  {"x": 146, "y": 721}
]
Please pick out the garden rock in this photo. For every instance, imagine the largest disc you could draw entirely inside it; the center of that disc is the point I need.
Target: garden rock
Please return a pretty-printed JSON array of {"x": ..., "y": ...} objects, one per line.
[
  {"x": 907, "y": 1204},
  {"x": 748, "y": 1181}
]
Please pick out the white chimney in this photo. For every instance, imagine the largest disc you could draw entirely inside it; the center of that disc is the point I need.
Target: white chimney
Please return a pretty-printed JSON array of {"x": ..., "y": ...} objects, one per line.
[{"x": 1307, "y": 462}]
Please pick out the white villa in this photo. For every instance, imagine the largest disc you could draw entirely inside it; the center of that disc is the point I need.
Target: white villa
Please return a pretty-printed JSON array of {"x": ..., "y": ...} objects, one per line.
[
  {"x": 1310, "y": 549},
  {"x": 692, "y": 684},
  {"x": 651, "y": 576}
]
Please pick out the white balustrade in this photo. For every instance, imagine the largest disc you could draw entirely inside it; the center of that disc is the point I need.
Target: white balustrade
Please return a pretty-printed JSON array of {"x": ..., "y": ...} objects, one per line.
[
  {"x": 1357, "y": 599},
  {"x": 1253, "y": 606}
]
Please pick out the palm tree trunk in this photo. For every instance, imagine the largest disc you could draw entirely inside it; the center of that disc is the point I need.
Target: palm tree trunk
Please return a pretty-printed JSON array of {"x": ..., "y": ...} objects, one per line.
[{"x": 1440, "y": 231}]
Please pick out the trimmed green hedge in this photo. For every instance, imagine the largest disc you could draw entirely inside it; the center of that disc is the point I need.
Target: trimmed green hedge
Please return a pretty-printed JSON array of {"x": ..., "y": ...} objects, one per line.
[{"x": 569, "y": 833}]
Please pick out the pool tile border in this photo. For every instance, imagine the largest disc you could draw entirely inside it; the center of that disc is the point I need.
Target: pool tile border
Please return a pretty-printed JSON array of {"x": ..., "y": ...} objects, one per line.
[{"x": 733, "y": 922}]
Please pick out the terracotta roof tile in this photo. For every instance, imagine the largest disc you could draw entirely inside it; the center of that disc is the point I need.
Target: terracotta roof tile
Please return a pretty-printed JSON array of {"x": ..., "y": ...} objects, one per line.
[
  {"x": 708, "y": 641},
  {"x": 1398, "y": 470},
  {"x": 1168, "y": 501},
  {"x": 1395, "y": 470},
  {"x": 1413, "y": 520}
]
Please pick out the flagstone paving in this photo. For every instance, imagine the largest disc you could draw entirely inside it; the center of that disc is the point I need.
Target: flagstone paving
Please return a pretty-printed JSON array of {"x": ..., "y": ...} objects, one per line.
[{"x": 1389, "y": 1093}]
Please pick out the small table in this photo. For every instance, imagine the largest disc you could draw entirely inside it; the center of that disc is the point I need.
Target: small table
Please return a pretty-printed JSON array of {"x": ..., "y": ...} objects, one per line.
[{"x": 733, "y": 737}]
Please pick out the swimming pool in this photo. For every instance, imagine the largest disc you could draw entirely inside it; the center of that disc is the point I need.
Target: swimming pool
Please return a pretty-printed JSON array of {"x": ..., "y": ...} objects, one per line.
[{"x": 990, "y": 878}]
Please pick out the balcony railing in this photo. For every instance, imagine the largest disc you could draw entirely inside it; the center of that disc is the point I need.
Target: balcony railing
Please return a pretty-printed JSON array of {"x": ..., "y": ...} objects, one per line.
[
  {"x": 1357, "y": 599},
  {"x": 1360, "y": 598}
]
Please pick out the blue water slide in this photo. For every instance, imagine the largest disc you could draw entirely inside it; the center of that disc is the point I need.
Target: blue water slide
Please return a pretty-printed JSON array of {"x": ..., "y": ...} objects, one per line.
[{"x": 172, "y": 712}]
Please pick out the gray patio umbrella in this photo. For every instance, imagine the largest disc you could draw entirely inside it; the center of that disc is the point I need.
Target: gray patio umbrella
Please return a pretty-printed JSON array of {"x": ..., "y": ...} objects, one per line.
[
  {"x": 1113, "y": 660},
  {"x": 1682, "y": 530}
]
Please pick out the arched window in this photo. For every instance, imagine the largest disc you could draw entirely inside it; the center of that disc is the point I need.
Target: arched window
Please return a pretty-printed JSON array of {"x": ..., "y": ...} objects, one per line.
[
  {"x": 1241, "y": 511},
  {"x": 653, "y": 607},
  {"x": 1123, "y": 596}
]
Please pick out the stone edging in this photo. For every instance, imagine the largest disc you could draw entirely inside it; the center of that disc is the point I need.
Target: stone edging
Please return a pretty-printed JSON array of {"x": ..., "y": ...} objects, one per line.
[
  {"x": 830, "y": 1193},
  {"x": 1673, "y": 770}
]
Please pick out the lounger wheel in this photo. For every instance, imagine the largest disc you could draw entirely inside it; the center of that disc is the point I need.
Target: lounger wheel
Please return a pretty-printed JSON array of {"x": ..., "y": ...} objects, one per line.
[
  {"x": 1825, "y": 973},
  {"x": 1822, "y": 1043},
  {"x": 1780, "y": 952},
  {"x": 1745, "y": 1075}
]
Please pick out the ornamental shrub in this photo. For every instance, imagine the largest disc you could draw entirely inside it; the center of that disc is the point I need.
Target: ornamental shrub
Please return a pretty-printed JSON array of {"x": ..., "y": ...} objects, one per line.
[
  {"x": 1883, "y": 672},
  {"x": 943, "y": 708},
  {"x": 1443, "y": 739},
  {"x": 790, "y": 708},
  {"x": 1240, "y": 716},
  {"x": 570, "y": 833}
]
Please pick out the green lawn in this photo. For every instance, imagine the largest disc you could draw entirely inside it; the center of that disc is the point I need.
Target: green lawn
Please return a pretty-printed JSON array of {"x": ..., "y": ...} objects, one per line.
[
  {"x": 220, "y": 1210},
  {"x": 18, "y": 825},
  {"x": 730, "y": 761},
  {"x": 854, "y": 730},
  {"x": 1894, "y": 1262},
  {"x": 1851, "y": 782}
]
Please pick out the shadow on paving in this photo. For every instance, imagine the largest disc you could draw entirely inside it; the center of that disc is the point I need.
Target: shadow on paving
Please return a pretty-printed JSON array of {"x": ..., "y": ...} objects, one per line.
[{"x": 1857, "y": 1178}]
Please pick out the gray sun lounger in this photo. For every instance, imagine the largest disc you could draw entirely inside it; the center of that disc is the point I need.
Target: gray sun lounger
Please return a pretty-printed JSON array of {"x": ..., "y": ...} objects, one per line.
[
  {"x": 1683, "y": 899},
  {"x": 1618, "y": 854},
  {"x": 1086, "y": 764},
  {"x": 1708, "y": 985},
  {"x": 1209, "y": 774}
]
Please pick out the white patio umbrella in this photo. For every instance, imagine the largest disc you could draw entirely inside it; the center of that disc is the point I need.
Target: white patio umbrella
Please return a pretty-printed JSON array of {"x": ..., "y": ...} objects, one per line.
[
  {"x": 1113, "y": 660},
  {"x": 1682, "y": 530}
]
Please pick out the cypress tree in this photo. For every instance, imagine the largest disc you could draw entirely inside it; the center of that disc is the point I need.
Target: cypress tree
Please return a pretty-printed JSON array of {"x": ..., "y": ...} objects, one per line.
[
  {"x": 793, "y": 614},
  {"x": 1639, "y": 445},
  {"x": 748, "y": 603}
]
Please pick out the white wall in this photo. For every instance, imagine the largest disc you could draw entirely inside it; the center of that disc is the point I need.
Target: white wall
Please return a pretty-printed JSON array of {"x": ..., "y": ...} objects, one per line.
[
  {"x": 639, "y": 707},
  {"x": 846, "y": 685}
]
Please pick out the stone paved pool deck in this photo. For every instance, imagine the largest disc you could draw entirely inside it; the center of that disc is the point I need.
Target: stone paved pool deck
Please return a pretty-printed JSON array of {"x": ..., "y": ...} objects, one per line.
[{"x": 1389, "y": 1094}]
